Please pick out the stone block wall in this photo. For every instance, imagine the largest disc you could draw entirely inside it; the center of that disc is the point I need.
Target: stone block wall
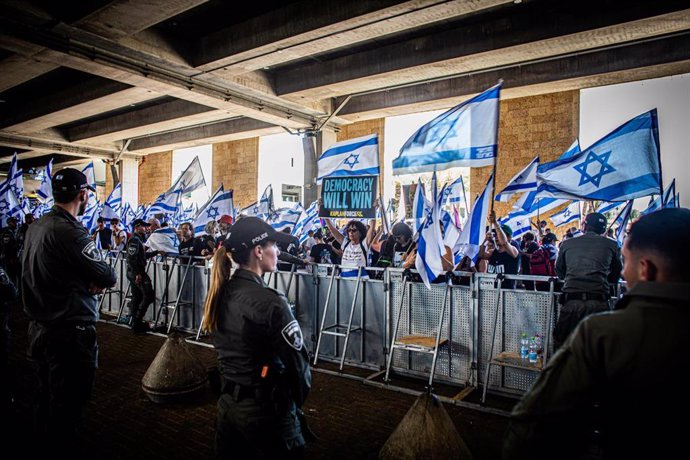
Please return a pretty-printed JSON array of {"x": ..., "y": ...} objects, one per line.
[
  {"x": 236, "y": 165},
  {"x": 155, "y": 175}
]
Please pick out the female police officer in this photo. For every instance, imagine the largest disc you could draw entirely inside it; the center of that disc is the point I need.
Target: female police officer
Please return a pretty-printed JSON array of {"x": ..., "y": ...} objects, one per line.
[{"x": 261, "y": 354}]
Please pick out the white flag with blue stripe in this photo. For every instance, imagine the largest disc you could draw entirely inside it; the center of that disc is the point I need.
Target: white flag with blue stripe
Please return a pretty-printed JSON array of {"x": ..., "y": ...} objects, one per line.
[
  {"x": 165, "y": 240},
  {"x": 218, "y": 205},
  {"x": 623, "y": 219},
  {"x": 308, "y": 220},
  {"x": 191, "y": 179},
  {"x": 455, "y": 193},
  {"x": 252, "y": 210},
  {"x": 420, "y": 206},
  {"x": 166, "y": 203},
  {"x": 113, "y": 205},
  {"x": 569, "y": 214},
  {"x": 286, "y": 218},
  {"x": 474, "y": 233},
  {"x": 128, "y": 215},
  {"x": 10, "y": 205},
  {"x": 354, "y": 157},
  {"x": 266, "y": 201},
  {"x": 45, "y": 190},
  {"x": 606, "y": 206},
  {"x": 90, "y": 217},
  {"x": 524, "y": 181},
  {"x": 621, "y": 166},
  {"x": 466, "y": 135},
  {"x": 90, "y": 174},
  {"x": 668, "y": 199},
  {"x": 430, "y": 248}
]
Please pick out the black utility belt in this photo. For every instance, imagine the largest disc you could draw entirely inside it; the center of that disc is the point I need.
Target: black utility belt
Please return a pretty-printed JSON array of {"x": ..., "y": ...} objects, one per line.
[
  {"x": 239, "y": 392},
  {"x": 566, "y": 296}
]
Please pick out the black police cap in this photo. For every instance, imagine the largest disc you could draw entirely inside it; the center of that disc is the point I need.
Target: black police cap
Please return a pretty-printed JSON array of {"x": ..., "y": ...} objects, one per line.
[
  {"x": 70, "y": 180},
  {"x": 252, "y": 231},
  {"x": 140, "y": 222}
]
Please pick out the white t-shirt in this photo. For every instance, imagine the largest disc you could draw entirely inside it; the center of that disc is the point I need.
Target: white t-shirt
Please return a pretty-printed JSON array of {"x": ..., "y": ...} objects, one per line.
[
  {"x": 353, "y": 255},
  {"x": 121, "y": 234}
]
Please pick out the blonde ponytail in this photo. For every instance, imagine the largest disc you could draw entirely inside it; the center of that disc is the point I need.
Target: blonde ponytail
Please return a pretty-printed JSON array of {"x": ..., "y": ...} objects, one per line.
[{"x": 219, "y": 274}]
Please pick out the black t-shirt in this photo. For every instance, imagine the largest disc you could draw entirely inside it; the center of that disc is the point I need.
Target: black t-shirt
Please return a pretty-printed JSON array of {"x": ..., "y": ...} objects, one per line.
[
  {"x": 186, "y": 250},
  {"x": 323, "y": 253},
  {"x": 502, "y": 262},
  {"x": 105, "y": 235}
]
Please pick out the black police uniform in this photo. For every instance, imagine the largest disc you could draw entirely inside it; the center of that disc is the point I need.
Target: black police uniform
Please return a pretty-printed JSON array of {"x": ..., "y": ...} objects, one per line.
[
  {"x": 142, "y": 292},
  {"x": 59, "y": 264},
  {"x": 265, "y": 369},
  {"x": 9, "y": 252},
  {"x": 8, "y": 294}
]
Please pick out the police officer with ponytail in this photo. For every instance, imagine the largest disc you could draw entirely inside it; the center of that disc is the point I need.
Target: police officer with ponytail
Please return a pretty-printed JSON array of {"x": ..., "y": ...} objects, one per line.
[{"x": 261, "y": 353}]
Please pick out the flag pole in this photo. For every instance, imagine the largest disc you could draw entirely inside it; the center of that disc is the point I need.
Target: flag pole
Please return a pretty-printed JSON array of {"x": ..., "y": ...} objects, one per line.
[
  {"x": 464, "y": 196},
  {"x": 498, "y": 117},
  {"x": 655, "y": 133}
]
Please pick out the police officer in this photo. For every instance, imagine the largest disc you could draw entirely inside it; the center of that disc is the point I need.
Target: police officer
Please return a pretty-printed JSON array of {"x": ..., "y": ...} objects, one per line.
[
  {"x": 9, "y": 249},
  {"x": 261, "y": 353},
  {"x": 587, "y": 264},
  {"x": 139, "y": 281},
  {"x": 62, "y": 270}
]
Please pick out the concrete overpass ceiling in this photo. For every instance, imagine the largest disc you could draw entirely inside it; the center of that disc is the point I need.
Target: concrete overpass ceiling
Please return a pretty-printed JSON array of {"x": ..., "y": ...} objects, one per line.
[{"x": 85, "y": 78}]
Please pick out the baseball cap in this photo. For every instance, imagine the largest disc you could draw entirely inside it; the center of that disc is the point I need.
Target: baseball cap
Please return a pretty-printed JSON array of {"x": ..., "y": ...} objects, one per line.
[
  {"x": 138, "y": 222},
  {"x": 596, "y": 221},
  {"x": 70, "y": 180},
  {"x": 225, "y": 219},
  {"x": 252, "y": 231}
]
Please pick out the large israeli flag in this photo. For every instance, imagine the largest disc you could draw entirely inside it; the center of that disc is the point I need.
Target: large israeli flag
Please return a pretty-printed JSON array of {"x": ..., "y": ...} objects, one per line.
[
  {"x": 621, "y": 166},
  {"x": 569, "y": 214},
  {"x": 218, "y": 205},
  {"x": 166, "y": 203},
  {"x": 524, "y": 181},
  {"x": 113, "y": 205},
  {"x": 10, "y": 205},
  {"x": 286, "y": 217},
  {"x": 164, "y": 240},
  {"x": 45, "y": 190},
  {"x": 472, "y": 236},
  {"x": 354, "y": 157},
  {"x": 465, "y": 135}
]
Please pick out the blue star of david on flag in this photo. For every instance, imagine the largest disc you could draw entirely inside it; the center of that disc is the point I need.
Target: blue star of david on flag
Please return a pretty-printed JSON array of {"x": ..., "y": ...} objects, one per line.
[
  {"x": 4, "y": 206},
  {"x": 212, "y": 212},
  {"x": 352, "y": 160},
  {"x": 605, "y": 168}
]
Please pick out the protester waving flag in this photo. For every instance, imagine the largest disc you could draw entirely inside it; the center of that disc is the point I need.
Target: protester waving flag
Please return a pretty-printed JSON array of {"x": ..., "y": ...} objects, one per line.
[
  {"x": 466, "y": 135},
  {"x": 621, "y": 166},
  {"x": 113, "y": 204},
  {"x": 569, "y": 214},
  {"x": 474, "y": 233},
  {"x": 218, "y": 205},
  {"x": 164, "y": 240},
  {"x": 524, "y": 181},
  {"x": 45, "y": 190},
  {"x": 354, "y": 157}
]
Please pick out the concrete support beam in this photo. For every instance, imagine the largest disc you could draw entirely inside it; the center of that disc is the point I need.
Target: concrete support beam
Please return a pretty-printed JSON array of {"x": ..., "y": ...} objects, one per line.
[
  {"x": 85, "y": 99},
  {"x": 629, "y": 63},
  {"x": 223, "y": 131},
  {"x": 166, "y": 116},
  {"x": 503, "y": 41},
  {"x": 41, "y": 147},
  {"x": 323, "y": 26},
  {"x": 18, "y": 69}
]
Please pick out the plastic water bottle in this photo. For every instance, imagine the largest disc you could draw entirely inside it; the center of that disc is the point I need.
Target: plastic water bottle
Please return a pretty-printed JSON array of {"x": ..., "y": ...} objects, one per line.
[
  {"x": 524, "y": 346},
  {"x": 539, "y": 342},
  {"x": 533, "y": 350}
]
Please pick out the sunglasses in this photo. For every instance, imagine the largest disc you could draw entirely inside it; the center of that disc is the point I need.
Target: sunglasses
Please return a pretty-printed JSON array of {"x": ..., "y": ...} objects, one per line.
[{"x": 352, "y": 230}]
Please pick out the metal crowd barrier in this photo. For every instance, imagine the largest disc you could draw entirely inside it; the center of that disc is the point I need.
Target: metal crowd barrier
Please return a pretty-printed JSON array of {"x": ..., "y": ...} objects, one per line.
[{"x": 467, "y": 326}]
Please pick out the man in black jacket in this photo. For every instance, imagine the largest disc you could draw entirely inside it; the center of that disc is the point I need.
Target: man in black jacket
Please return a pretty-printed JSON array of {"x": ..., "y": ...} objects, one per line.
[
  {"x": 62, "y": 271},
  {"x": 139, "y": 280}
]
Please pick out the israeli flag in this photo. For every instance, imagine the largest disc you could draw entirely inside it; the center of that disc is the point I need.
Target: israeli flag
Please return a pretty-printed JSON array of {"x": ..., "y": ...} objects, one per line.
[
  {"x": 605, "y": 206},
  {"x": 524, "y": 181},
  {"x": 252, "y": 210},
  {"x": 166, "y": 203},
  {"x": 218, "y": 205},
  {"x": 286, "y": 217},
  {"x": 451, "y": 233},
  {"x": 90, "y": 174},
  {"x": 569, "y": 214},
  {"x": 454, "y": 193},
  {"x": 10, "y": 205},
  {"x": 668, "y": 199},
  {"x": 430, "y": 248},
  {"x": 90, "y": 217},
  {"x": 529, "y": 201},
  {"x": 354, "y": 157},
  {"x": 191, "y": 179},
  {"x": 266, "y": 201},
  {"x": 402, "y": 207},
  {"x": 128, "y": 215},
  {"x": 45, "y": 190},
  {"x": 165, "y": 240},
  {"x": 621, "y": 166},
  {"x": 465, "y": 135},
  {"x": 420, "y": 207},
  {"x": 308, "y": 220},
  {"x": 113, "y": 204},
  {"x": 624, "y": 217},
  {"x": 474, "y": 233}
]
